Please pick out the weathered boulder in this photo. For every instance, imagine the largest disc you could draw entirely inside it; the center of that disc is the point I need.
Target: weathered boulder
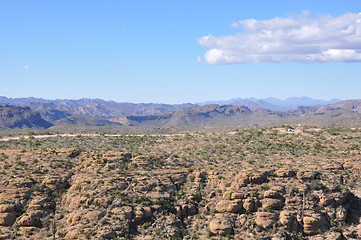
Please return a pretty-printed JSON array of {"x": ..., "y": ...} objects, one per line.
[
  {"x": 250, "y": 205},
  {"x": 289, "y": 221},
  {"x": 233, "y": 206},
  {"x": 265, "y": 219},
  {"x": 272, "y": 203},
  {"x": 221, "y": 226},
  {"x": 272, "y": 194},
  {"x": 237, "y": 195},
  {"x": 314, "y": 223}
]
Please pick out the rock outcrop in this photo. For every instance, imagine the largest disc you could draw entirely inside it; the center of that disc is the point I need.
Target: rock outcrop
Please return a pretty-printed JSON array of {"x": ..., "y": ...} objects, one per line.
[{"x": 249, "y": 184}]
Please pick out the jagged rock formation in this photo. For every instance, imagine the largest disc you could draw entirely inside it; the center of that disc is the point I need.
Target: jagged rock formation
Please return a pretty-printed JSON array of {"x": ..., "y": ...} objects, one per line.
[{"x": 19, "y": 117}]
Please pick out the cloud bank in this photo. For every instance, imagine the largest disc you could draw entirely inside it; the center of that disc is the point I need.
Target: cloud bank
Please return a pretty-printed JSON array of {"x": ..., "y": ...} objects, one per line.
[{"x": 298, "y": 38}]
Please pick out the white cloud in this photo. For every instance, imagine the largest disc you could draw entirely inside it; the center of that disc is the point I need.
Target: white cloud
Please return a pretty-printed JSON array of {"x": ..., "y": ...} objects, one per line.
[
  {"x": 298, "y": 38},
  {"x": 199, "y": 59},
  {"x": 26, "y": 67}
]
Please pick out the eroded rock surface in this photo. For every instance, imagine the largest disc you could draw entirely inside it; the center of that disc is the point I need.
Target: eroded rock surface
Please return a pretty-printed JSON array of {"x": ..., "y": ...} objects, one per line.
[{"x": 251, "y": 184}]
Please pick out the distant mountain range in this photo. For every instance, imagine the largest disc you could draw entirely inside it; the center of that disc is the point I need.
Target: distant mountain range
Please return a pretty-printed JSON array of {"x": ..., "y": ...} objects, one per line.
[
  {"x": 347, "y": 113},
  {"x": 274, "y": 104},
  {"x": 53, "y": 110},
  {"x": 41, "y": 113}
]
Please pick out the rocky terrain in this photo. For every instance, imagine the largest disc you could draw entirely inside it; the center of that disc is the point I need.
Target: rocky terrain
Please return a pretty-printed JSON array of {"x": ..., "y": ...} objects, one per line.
[
  {"x": 19, "y": 117},
  {"x": 269, "y": 183}
]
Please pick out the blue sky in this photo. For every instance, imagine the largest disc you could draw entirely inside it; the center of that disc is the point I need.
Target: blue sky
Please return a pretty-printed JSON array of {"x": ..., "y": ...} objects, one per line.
[{"x": 179, "y": 51}]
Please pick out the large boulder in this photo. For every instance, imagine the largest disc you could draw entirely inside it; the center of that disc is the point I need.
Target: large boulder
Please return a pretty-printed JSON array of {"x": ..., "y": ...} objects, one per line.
[
  {"x": 221, "y": 226},
  {"x": 265, "y": 219},
  {"x": 289, "y": 220},
  {"x": 272, "y": 194},
  {"x": 314, "y": 223},
  {"x": 271, "y": 203},
  {"x": 250, "y": 205},
  {"x": 233, "y": 206}
]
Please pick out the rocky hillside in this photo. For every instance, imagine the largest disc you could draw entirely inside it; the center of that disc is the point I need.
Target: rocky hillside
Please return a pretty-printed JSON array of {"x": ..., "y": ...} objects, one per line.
[
  {"x": 19, "y": 117},
  {"x": 345, "y": 113},
  {"x": 207, "y": 115},
  {"x": 348, "y": 106},
  {"x": 247, "y": 184},
  {"x": 53, "y": 110}
]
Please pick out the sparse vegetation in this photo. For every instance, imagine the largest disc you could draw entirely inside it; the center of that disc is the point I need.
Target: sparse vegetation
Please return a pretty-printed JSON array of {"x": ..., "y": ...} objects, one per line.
[{"x": 247, "y": 181}]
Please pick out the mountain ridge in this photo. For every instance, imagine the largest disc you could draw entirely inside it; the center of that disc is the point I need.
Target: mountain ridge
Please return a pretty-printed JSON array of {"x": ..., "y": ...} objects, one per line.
[
  {"x": 274, "y": 104},
  {"x": 52, "y": 110},
  {"x": 97, "y": 112},
  {"x": 229, "y": 115}
]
